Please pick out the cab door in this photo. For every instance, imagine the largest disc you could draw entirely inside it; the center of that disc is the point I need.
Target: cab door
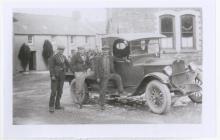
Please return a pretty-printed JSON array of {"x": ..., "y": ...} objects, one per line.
[{"x": 131, "y": 75}]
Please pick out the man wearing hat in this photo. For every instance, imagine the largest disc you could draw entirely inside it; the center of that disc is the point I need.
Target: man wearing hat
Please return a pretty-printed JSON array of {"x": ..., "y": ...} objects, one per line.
[
  {"x": 79, "y": 60},
  {"x": 81, "y": 65},
  {"x": 104, "y": 71},
  {"x": 57, "y": 66}
]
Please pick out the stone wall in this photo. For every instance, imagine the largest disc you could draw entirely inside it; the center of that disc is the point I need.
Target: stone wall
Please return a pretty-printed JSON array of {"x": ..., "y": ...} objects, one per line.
[{"x": 133, "y": 20}]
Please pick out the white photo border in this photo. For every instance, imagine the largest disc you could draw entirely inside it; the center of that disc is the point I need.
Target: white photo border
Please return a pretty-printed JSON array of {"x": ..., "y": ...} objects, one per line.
[{"x": 205, "y": 129}]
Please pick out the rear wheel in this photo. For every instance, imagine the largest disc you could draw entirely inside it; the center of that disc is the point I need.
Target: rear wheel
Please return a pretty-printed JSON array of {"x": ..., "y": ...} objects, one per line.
[
  {"x": 79, "y": 97},
  {"x": 158, "y": 97}
]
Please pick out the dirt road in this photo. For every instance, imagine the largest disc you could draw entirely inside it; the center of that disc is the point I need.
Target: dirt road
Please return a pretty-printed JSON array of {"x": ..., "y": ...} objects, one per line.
[{"x": 30, "y": 106}]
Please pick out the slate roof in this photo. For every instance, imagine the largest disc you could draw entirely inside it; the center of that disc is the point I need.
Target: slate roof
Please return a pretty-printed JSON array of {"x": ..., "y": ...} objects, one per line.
[
  {"x": 98, "y": 26},
  {"x": 49, "y": 25}
]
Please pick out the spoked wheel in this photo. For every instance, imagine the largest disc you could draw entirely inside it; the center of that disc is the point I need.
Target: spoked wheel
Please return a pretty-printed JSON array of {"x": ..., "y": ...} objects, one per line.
[
  {"x": 158, "y": 97},
  {"x": 79, "y": 97},
  {"x": 196, "y": 97}
]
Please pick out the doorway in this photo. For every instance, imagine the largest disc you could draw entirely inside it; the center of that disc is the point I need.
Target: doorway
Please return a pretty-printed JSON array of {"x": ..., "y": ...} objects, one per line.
[{"x": 32, "y": 63}]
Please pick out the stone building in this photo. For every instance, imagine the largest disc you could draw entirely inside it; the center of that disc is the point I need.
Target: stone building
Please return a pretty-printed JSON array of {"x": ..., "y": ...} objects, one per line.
[{"x": 182, "y": 28}]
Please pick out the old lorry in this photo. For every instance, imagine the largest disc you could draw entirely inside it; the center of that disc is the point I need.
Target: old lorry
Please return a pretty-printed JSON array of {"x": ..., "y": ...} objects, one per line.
[{"x": 145, "y": 72}]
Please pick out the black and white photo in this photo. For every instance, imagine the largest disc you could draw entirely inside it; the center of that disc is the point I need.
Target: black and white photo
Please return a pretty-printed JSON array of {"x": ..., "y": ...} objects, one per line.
[
  {"x": 94, "y": 70},
  {"x": 126, "y": 65}
]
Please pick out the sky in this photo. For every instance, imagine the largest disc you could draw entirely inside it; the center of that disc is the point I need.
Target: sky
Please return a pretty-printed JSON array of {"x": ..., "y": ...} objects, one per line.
[{"x": 92, "y": 14}]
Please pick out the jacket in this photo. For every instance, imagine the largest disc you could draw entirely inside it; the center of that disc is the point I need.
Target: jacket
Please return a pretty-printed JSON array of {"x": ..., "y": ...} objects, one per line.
[
  {"x": 100, "y": 67},
  {"x": 78, "y": 64},
  {"x": 58, "y": 63}
]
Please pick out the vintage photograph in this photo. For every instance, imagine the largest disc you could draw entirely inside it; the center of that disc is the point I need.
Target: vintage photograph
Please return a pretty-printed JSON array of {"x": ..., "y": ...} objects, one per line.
[{"x": 107, "y": 66}]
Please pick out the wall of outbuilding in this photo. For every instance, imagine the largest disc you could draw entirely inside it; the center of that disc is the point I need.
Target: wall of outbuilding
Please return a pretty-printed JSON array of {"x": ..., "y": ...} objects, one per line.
[{"x": 37, "y": 46}]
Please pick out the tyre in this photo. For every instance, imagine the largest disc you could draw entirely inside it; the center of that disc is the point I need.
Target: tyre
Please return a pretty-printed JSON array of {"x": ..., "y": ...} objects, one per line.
[
  {"x": 158, "y": 97},
  {"x": 79, "y": 98},
  {"x": 196, "y": 97}
]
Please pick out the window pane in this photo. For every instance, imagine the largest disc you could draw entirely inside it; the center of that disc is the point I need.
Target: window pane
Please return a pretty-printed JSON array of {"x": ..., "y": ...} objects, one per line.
[
  {"x": 86, "y": 39},
  {"x": 167, "y": 43},
  {"x": 30, "y": 39},
  {"x": 187, "y": 42},
  {"x": 72, "y": 39},
  {"x": 138, "y": 47},
  {"x": 166, "y": 24},
  {"x": 187, "y": 31},
  {"x": 167, "y": 30},
  {"x": 187, "y": 24}
]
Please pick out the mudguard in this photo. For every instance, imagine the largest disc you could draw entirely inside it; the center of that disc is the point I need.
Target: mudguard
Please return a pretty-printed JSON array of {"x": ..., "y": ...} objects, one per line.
[{"x": 163, "y": 78}]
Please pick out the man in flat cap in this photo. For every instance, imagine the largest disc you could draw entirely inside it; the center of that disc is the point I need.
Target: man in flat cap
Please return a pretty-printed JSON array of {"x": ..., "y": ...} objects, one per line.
[
  {"x": 80, "y": 64},
  {"x": 57, "y": 66},
  {"x": 103, "y": 66}
]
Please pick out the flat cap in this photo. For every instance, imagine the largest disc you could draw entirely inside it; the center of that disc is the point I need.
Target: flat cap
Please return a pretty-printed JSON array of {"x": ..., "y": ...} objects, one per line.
[{"x": 60, "y": 47}]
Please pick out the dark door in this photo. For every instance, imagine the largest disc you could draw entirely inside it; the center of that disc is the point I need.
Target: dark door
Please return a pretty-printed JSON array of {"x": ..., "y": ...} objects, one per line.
[
  {"x": 32, "y": 63},
  {"x": 131, "y": 75}
]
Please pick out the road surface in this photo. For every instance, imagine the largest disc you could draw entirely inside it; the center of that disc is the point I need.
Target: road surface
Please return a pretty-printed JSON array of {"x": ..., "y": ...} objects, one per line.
[{"x": 30, "y": 106}]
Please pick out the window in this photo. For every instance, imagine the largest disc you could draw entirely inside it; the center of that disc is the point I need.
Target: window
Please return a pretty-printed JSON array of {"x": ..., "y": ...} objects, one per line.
[
  {"x": 30, "y": 39},
  {"x": 72, "y": 39},
  {"x": 187, "y": 31},
  {"x": 153, "y": 46},
  {"x": 139, "y": 47},
  {"x": 121, "y": 48},
  {"x": 167, "y": 29},
  {"x": 53, "y": 38},
  {"x": 86, "y": 39}
]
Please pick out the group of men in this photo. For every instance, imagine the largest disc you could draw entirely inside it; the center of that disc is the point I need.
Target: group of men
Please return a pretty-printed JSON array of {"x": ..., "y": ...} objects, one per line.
[{"x": 98, "y": 65}]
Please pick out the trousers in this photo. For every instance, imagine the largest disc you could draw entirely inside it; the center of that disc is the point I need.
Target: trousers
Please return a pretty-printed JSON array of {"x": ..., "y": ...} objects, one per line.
[
  {"x": 104, "y": 86},
  {"x": 57, "y": 89},
  {"x": 80, "y": 81}
]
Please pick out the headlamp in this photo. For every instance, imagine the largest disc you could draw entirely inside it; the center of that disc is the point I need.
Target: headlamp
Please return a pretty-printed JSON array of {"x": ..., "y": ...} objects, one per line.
[
  {"x": 168, "y": 70},
  {"x": 192, "y": 66}
]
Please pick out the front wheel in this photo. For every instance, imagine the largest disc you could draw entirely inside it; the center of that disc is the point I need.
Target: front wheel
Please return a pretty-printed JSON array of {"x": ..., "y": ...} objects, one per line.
[
  {"x": 196, "y": 97},
  {"x": 79, "y": 97},
  {"x": 158, "y": 97}
]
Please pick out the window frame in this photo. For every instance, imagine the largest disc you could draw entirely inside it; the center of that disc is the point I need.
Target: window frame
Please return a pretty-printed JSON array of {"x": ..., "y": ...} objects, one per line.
[
  {"x": 173, "y": 28},
  {"x": 193, "y": 33},
  {"x": 86, "y": 39},
  {"x": 72, "y": 39},
  {"x": 30, "y": 41}
]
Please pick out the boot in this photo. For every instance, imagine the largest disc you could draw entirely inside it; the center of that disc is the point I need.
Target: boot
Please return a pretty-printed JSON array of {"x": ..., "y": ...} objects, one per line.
[{"x": 51, "y": 109}]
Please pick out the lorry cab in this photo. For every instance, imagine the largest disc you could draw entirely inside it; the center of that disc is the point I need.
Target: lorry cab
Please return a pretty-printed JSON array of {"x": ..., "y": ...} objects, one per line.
[
  {"x": 136, "y": 55},
  {"x": 144, "y": 71}
]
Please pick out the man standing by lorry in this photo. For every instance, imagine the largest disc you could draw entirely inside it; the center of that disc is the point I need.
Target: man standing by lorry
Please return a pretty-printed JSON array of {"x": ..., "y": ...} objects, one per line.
[
  {"x": 81, "y": 65},
  {"x": 104, "y": 71},
  {"x": 58, "y": 64}
]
